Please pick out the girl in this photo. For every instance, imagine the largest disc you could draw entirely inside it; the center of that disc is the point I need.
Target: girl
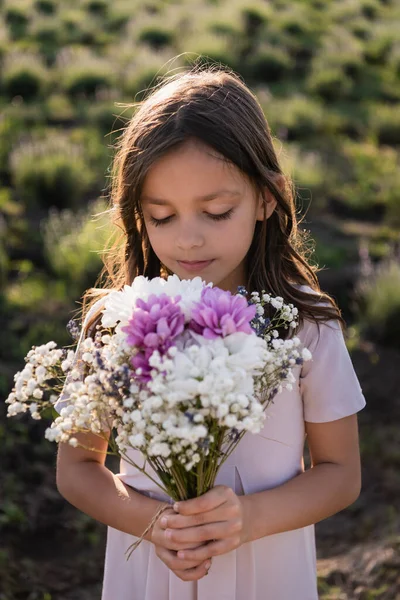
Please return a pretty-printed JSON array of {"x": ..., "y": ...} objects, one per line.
[{"x": 198, "y": 190}]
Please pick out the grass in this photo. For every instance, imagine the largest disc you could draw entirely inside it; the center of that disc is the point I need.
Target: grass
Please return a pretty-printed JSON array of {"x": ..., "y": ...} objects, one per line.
[
  {"x": 24, "y": 75},
  {"x": 50, "y": 171},
  {"x": 69, "y": 244},
  {"x": 378, "y": 294}
]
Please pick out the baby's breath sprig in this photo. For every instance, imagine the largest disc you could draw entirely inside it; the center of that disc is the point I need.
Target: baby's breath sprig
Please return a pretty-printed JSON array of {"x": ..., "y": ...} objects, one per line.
[
  {"x": 38, "y": 385},
  {"x": 285, "y": 317},
  {"x": 287, "y": 353}
]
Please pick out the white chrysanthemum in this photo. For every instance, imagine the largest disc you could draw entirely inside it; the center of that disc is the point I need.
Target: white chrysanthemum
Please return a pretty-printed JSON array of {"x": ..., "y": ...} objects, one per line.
[
  {"x": 119, "y": 305},
  {"x": 248, "y": 351}
]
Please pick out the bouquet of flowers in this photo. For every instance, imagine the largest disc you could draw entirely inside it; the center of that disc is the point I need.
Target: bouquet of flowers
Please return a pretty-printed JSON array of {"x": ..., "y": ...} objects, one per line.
[{"x": 178, "y": 369}]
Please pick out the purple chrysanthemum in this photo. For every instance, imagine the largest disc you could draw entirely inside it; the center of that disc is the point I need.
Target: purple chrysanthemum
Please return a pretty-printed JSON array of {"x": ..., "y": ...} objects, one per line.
[
  {"x": 219, "y": 314},
  {"x": 153, "y": 326}
]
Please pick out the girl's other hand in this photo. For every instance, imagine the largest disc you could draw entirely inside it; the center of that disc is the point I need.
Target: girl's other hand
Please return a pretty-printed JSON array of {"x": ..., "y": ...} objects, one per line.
[
  {"x": 166, "y": 550},
  {"x": 219, "y": 517}
]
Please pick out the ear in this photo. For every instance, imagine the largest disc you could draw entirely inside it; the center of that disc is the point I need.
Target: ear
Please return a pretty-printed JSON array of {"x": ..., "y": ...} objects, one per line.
[{"x": 267, "y": 201}]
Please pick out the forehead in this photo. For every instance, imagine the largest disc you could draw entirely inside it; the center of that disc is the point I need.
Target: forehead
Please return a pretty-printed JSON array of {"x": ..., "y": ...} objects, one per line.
[{"x": 192, "y": 167}]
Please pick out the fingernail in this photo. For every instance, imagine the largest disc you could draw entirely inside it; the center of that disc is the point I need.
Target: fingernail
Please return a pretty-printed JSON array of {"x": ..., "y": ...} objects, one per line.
[
  {"x": 207, "y": 565},
  {"x": 164, "y": 522},
  {"x": 176, "y": 507},
  {"x": 181, "y": 554},
  {"x": 168, "y": 533}
]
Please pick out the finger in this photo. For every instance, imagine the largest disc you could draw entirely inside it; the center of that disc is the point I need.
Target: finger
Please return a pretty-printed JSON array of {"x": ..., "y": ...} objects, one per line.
[
  {"x": 170, "y": 558},
  {"x": 209, "y": 550},
  {"x": 175, "y": 546},
  {"x": 202, "y": 533},
  {"x": 195, "y": 573},
  {"x": 224, "y": 512},
  {"x": 162, "y": 520},
  {"x": 160, "y": 539},
  {"x": 158, "y": 532},
  {"x": 208, "y": 501}
]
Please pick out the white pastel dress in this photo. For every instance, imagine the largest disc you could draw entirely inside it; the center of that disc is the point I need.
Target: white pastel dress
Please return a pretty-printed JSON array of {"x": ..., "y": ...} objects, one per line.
[{"x": 276, "y": 567}]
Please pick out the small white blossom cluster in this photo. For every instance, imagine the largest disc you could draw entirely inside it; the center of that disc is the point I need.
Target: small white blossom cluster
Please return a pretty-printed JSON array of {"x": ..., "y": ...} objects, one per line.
[
  {"x": 92, "y": 406},
  {"x": 283, "y": 356},
  {"x": 286, "y": 314},
  {"x": 203, "y": 385},
  {"x": 31, "y": 390}
]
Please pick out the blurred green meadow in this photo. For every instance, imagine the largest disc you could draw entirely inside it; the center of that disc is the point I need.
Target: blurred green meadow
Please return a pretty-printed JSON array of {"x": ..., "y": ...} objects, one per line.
[{"x": 327, "y": 74}]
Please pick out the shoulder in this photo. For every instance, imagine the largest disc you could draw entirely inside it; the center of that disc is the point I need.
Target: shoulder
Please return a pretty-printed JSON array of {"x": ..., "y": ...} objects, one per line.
[
  {"x": 311, "y": 330},
  {"x": 309, "y": 290}
]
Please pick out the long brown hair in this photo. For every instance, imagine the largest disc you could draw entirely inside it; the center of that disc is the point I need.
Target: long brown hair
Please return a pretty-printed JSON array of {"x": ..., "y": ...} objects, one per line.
[{"x": 212, "y": 105}]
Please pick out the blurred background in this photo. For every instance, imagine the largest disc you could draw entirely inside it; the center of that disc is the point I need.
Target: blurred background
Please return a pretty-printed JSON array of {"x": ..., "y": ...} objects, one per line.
[{"x": 327, "y": 74}]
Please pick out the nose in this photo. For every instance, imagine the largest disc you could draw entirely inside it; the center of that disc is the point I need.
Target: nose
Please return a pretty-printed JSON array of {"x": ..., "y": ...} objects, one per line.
[{"x": 189, "y": 236}]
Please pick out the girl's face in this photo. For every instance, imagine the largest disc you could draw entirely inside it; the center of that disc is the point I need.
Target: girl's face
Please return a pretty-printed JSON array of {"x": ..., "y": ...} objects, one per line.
[{"x": 200, "y": 213}]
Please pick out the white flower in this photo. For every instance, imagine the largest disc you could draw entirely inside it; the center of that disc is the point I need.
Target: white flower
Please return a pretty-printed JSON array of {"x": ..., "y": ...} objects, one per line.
[
  {"x": 222, "y": 410},
  {"x": 277, "y": 302},
  {"x": 52, "y": 434},
  {"x": 41, "y": 373},
  {"x": 161, "y": 449},
  {"x": 230, "y": 421},
  {"x": 137, "y": 440},
  {"x": 247, "y": 351},
  {"x": 119, "y": 305},
  {"x": 31, "y": 385},
  {"x": 136, "y": 416},
  {"x": 15, "y": 408},
  {"x": 243, "y": 400}
]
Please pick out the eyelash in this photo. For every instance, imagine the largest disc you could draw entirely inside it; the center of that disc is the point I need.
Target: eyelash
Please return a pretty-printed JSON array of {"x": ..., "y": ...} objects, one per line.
[{"x": 221, "y": 217}]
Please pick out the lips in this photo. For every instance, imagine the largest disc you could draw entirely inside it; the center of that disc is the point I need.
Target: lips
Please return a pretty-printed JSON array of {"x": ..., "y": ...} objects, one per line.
[{"x": 195, "y": 265}]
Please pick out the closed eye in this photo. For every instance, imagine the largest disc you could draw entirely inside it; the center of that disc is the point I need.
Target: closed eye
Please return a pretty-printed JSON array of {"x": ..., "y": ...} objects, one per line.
[
  {"x": 157, "y": 222},
  {"x": 220, "y": 217}
]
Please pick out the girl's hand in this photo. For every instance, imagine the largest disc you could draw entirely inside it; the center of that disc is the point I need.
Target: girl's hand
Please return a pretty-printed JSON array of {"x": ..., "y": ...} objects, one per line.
[
  {"x": 166, "y": 550},
  {"x": 219, "y": 517}
]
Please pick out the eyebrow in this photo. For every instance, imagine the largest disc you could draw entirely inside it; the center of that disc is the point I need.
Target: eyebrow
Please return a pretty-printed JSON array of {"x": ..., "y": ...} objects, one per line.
[{"x": 206, "y": 198}]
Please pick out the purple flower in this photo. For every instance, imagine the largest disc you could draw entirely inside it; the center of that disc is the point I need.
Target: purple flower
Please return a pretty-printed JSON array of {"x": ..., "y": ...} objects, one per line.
[
  {"x": 153, "y": 326},
  {"x": 219, "y": 314}
]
